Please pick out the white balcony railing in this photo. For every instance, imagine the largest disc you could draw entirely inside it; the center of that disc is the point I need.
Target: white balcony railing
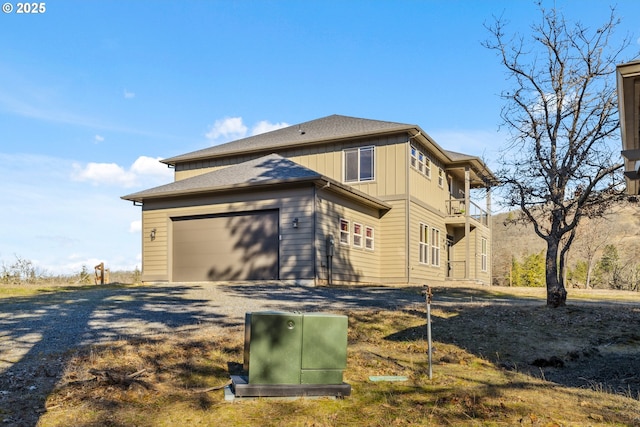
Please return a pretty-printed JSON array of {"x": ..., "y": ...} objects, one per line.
[{"x": 456, "y": 207}]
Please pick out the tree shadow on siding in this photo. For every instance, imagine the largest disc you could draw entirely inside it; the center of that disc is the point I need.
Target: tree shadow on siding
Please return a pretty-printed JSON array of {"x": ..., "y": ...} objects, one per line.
[{"x": 255, "y": 241}]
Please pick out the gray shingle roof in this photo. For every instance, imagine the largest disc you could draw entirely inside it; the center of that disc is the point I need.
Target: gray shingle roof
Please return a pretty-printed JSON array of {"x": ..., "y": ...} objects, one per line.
[
  {"x": 268, "y": 169},
  {"x": 323, "y": 129}
]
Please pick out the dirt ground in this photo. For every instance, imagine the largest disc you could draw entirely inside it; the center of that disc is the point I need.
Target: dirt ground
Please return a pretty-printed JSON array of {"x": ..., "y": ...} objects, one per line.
[{"x": 591, "y": 343}]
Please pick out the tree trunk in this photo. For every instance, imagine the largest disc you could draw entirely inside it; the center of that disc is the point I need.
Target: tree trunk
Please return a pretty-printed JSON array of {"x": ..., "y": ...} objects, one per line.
[{"x": 556, "y": 293}]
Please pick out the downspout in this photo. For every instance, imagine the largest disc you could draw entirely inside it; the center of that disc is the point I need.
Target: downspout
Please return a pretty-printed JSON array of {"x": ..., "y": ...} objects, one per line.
[
  {"x": 315, "y": 237},
  {"x": 408, "y": 212}
]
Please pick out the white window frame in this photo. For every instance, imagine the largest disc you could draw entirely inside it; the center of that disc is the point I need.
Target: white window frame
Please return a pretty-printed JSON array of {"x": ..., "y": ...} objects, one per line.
[
  {"x": 435, "y": 247},
  {"x": 423, "y": 244},
  {"x": 369, "y": 238},
  {"x": 440, "y": 177},
  {"x": 359, "y": 151},
  {"x": 483, "y": 254},
  {"x": 357, "y": 235},
  {"x": 414, "y": 157},
  {"x": 345, "y": 232},
  {"x": 427, "y": 167}
]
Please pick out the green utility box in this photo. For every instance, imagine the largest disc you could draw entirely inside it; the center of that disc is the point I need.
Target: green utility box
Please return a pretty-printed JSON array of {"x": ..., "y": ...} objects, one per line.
[{"x": 294, "y": 348}]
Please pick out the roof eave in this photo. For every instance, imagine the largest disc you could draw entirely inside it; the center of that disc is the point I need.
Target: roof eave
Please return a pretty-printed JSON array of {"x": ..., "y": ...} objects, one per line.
[
  {"x": 320, "y": 180},
  {"x": 140, "y": 197}
]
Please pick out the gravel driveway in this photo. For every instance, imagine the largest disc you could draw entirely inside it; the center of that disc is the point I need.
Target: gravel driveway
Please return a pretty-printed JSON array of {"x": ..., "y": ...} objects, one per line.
[{"x": 37, "y": 333}]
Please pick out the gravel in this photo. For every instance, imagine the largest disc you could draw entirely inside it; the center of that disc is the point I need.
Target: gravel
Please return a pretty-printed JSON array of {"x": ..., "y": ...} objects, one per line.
[{"x": 38, "y": 333}]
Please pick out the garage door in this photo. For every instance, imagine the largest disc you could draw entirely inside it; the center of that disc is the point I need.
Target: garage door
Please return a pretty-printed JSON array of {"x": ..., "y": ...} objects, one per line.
[{"x": 239, "y": 246}]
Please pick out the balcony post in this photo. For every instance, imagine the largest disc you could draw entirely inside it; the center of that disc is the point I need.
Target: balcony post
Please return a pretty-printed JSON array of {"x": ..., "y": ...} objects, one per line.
[{"x": 467, "y": 224}]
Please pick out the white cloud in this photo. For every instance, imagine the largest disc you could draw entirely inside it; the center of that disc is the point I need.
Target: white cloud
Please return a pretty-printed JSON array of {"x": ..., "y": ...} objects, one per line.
[
  {"x": 145, "y": 170},
  {"x": 228, "y": 128},
  {"x": 129, "y": 95},
  {"x": 151, "y": 166},
  {"x": 98, "y": 138},
  {"x": 231, "y": 128},
  {"x": 265, "y": 126},
  {"x": 84, "y": 224},
  {"x": 135, "y": 226},
  {"x": 104, "y": 173}
]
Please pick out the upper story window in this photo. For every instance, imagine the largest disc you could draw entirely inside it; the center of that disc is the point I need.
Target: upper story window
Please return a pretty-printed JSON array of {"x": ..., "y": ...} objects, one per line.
[
  {"x": 440, "y": 177},
  {"x": 420, "y": 161},
  {"x": 358, "y": 164}
]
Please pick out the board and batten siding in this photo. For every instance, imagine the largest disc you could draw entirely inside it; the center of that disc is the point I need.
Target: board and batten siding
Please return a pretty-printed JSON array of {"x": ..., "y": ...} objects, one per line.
[
  {"x": 296, "y": 258},
  {"x": 349, "y": 263},
  {"x": 393, "y": 247},
  {"x": 419, "y": 271},
  {"x": 390, "y": 163}
]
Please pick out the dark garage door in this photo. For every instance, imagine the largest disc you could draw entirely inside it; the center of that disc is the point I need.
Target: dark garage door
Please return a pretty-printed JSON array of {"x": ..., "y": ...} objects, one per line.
[{"x": 239, "y": 246}]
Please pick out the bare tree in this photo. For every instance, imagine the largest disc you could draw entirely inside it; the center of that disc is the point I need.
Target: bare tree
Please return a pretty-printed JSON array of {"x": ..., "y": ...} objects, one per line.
[
  {"x": 590, "y": 238},
  {"x": 563, "y": 161}
]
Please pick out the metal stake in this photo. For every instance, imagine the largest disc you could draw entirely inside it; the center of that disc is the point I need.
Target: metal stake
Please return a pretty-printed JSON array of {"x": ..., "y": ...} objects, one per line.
[{"x": 428, "y": 294}]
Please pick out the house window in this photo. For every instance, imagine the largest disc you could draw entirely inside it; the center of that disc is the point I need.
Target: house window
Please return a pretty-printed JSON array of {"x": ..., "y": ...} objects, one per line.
[
  {"x": 358, "y": 164},
  {"x": 424, "y": 243},
  {"x": 420, "y": 161},
  {"x": 344, "y": 232},
  {"x": 368, "y": 238},
  {"x": 440, "y": 177},
  {"x": 483, "y": 254},
  {"x": 435, "y": 247},
  {"x": 357, "y": 235}
]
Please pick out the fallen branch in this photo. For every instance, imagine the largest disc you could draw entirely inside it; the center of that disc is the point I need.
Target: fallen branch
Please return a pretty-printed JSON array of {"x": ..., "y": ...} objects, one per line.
[
  {"x": 206, "y": 390},
  {"x": 115, "y": 378}
]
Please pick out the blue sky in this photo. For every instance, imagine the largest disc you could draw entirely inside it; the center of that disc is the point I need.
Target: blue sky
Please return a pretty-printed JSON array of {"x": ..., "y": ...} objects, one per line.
[{"x": 93, "y": 93}]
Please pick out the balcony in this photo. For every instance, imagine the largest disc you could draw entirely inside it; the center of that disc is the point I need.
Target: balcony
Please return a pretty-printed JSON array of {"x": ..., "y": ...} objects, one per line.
[{"x": 456, "y": 212}]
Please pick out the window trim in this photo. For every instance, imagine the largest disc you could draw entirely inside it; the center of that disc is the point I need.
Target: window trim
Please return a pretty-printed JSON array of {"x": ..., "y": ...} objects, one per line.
[
  {"x": 484, "y": 254},
  {"x": 435, "y": 247},
  {"x": 368, "y": 239},
  {"x": 359, "y": 151},
  {"x": 359, "y": 242},
  {"x": 346, "y": 232},
  {"x": 420, "y": 161},
  {"x": 423, "y": 244}
]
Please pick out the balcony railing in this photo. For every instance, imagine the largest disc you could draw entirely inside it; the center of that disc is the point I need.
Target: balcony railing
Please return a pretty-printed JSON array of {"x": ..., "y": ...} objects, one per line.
[{"x": 456, "y": 207}]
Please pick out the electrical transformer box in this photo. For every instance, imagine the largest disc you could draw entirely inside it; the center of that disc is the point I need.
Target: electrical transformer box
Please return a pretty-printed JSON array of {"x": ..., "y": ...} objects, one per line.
[{"x": 295, "y": 348}]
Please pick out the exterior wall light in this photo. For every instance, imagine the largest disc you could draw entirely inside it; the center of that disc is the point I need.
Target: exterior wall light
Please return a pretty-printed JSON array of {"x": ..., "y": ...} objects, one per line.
[
  {"x": 152, "y": 235},
  {"x": 295, "y": 222}
]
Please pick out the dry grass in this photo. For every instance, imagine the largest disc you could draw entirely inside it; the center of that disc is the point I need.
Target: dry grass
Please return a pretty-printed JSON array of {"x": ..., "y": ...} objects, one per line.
[{"x": 482, "y": 373}]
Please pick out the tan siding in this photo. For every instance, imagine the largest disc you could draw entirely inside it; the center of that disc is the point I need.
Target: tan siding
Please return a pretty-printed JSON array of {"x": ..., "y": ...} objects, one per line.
[
  {"x": 393, "y": 245},
  {"x": 349, "y": 263},
  {"x": 396, "y": 182},
  {"x": 295, "y": 261},
  {"x": 419, "y": 271}
]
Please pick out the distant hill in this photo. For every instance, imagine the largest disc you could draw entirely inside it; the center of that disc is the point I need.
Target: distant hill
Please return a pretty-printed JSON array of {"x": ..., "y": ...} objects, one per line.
[{"x": 620, "y": 227}]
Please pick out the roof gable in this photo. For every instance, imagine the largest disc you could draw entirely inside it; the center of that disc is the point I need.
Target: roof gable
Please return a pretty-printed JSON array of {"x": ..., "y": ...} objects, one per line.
[
  {"x": 268, "y": 169},
  {"x": 320, "y": 130}
]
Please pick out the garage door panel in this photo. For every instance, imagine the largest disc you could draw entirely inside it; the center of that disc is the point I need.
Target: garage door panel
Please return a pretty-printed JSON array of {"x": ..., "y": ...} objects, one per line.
[{"x": 242, "y": 246}]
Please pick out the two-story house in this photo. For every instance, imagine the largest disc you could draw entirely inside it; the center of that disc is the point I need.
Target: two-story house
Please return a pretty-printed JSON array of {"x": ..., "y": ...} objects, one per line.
[{"x": 333, "y": 200}]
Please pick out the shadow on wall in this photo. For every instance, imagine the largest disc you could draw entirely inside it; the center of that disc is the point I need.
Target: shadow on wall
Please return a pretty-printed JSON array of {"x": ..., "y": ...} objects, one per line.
[{"x": 254, "y": 248}]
